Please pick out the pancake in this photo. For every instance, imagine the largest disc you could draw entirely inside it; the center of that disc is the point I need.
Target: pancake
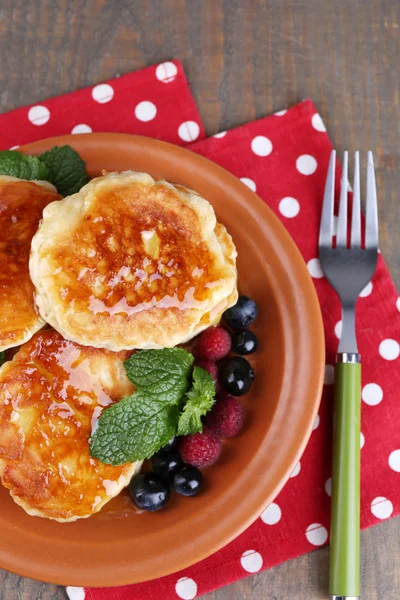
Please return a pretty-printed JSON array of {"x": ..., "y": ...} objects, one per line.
[
  {"x": 21, "y": 207},
  {"x": 130, "y": 262},
  {"x": 51, "y": 395}
]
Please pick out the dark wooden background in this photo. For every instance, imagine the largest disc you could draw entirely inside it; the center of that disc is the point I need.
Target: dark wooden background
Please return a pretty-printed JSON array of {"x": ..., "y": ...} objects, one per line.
[{"x": 244, "y": 59}]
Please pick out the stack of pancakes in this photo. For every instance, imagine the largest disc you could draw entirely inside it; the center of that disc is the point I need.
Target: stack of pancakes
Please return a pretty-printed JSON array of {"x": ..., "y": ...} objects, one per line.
[{"x": 126, "y": 263}]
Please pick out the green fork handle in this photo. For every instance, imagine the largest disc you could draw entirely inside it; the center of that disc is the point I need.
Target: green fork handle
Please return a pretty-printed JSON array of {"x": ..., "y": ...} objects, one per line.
[{"x": 345, "y": 513}]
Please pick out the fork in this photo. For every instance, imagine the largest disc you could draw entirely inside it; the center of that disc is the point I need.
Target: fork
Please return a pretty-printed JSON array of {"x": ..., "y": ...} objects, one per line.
[{"x": 348, "y": 266}]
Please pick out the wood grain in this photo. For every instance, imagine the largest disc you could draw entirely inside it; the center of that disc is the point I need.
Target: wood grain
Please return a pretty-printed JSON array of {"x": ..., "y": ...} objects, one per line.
[{"x": 243, "y": 60}]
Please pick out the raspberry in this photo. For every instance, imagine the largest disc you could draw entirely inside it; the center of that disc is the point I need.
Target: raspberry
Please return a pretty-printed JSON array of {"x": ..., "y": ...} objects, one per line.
[
  {"x": 200, "y": 449},
  {"x": 211, "y": 367},
  {"x": 214, "y": 343},
  {"x": 226, "y": 417}
]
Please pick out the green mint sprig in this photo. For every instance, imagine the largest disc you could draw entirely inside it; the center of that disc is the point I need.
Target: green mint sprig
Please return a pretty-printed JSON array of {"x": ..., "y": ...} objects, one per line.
[
  {"x": 2, "y": 358},
  {"x": 133, "y": 429},
  {"x": 67, "y": 171},
  {"x": 61, "y": 166},
  {"x": 22, "y": 166},
  {"x": 161, "y": 374},
  {"x": 199, "y": 400},
  {"x": 169, "y": 399}
]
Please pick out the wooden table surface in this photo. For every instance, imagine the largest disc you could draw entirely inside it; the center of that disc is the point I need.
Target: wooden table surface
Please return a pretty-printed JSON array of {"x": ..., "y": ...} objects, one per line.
[{"x": 244, "y": 59}]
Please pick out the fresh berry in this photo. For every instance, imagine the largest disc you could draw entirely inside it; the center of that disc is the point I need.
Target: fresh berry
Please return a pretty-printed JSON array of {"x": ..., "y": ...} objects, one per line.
[
  {"x": 210, "y": 366},
  {"x": 171, "y": 444},
  {"x": 187, "y": 481},
  {"x": 149, "y": 491},
  {"x": 237, "y": 376},
  {"x": 226, "y": 417},
  {"x": 244, "y": 342},
  {"x": 243, "y": 314},
  {"x": 200, "y": 449},
  {"x": 214, "y": 344},
  {"x": 165, "y": 463}
]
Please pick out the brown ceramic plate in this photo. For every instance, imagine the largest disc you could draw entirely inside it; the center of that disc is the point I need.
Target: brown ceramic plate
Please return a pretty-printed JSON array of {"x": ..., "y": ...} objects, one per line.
[{"x": 119, "y": 546}]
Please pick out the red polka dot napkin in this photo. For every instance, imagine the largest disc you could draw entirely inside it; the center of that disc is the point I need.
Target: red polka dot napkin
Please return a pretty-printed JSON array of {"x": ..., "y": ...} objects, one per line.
[
  {"x": 155, "y": 102},
  {"x": 283, "y": 158}
]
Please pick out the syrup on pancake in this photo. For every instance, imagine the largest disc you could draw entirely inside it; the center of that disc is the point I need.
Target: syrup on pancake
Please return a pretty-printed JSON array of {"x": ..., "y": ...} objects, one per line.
[
  {"x": 51, "y": 395},
  {"x": 138, "y": 266},
  {"x": 21, "y": 207}
]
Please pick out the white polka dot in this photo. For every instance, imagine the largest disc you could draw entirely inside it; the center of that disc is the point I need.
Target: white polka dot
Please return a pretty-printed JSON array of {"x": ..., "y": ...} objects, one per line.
[
  {"x": 381, "y": 507},
  {"x": 280, "y": 113},
  {"x": 314, "y": 268},
  {"x": 316, "y": 534},
  {"x": 251, "y": 561},
  {"x": 261, "y": 145},
  {"x": 186, "y": 588},
  {"x": 271, "y": 515},
  {"x": 338, "y": 329},
  {"x": 296, "y": 470},
  {"x": 362, "y": 439},
  {"x": 328, "y": 486},
  {"x": 389, "y": 349},
  {"x": 81, "y": 128},
  {"x": 14, "y": 147},
  {"x": 394, "y": 460},
  {"x": 316, "y": 422},
  {"x": 103, "y": 93},
  {"x": 249, "y": 182},
  {"x": 329, "y": 376},
  {"x": 38, "y": 115},
  {"x": 166, "y": 72},
  {"x": 289, "y": 207},
  {"x": 75, "y": 593},
  {"x": 318, "y": 123},
  {"x": 397, "y": 301},
  {"x": 306, "y": 164},
  {"x": 221, "y": 134},
  {"x": 372, "y": 394},
  {"x": 189, "y": 131},
  {"x": 366, "y": 291},
  {"x": 145, "y": 111}
]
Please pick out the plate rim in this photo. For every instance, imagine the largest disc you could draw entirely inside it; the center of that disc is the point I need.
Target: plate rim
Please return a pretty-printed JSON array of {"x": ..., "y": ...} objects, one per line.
[{"x": 317, "y": 335}]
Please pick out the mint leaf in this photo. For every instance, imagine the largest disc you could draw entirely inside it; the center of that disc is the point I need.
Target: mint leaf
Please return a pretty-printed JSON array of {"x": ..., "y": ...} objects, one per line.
[
  {"x": 133, "y": 429},
  {"x": 200, "y": 399},
  {"x": 161, "y": 374},
  {"x": 16, "y": 164},
  {"x": 62, "y": 166},
  {"x": 67, "y": 171},
  {"x": 2, "y": 358}
]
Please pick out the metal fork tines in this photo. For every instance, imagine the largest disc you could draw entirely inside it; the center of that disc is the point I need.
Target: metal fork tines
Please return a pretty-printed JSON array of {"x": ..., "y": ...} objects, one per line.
[{"x": 348, "y": 265}]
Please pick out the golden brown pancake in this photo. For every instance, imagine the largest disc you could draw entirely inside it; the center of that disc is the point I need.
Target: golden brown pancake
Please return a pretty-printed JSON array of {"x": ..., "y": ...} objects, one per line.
[
  {"x": 51, "y": 395},
  {"x": 21, "y": 207},
  {"x": 130, "y": 262}
]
